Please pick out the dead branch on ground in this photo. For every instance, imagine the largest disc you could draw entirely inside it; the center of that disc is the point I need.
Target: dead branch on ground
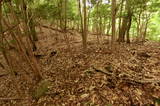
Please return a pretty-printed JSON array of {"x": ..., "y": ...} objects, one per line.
[{"x": 61, "y": 31}]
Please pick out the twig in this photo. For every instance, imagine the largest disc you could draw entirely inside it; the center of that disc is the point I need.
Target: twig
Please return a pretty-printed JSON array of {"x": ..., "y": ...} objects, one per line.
[
  {"x": 48, "y": 27},
  {"x": 1, "y": 75},
  {"x": 101, "y": 71},
  {"x": 11, "y": 28},
  {"x": 10, "y": 98},
  {"x": 1, "y": 65},
  {"x": 148, "y": 81},
  {"x": 128, "y": 77}
]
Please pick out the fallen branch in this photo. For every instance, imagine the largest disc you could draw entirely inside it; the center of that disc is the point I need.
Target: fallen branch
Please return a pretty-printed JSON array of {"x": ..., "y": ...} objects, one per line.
[
  {"x": 11, "y": 28},
  {"x": 4, "y": 99},
  {"x": 127, "y": 77},
  {"x": 2, "y": 75},
  {"x": 138, "y": 79},
  {"x": 103, "y": 72},
  {"x": 61, "y": 31},
  {"x": 1, "y": 65},
  {"x": 147, "y": 81}
]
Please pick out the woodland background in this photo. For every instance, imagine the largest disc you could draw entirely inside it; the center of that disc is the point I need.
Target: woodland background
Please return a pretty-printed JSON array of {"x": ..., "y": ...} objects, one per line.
[{"x": 79, "y": 52}]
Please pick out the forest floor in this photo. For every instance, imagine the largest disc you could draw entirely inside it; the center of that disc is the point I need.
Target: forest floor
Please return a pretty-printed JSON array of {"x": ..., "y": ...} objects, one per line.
[{"x": 126, "y": 75}]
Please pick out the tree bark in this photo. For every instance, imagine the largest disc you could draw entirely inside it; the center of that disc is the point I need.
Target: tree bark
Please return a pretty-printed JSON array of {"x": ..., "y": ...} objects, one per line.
[
  {"x": 113, "y": 20},
  {"x": 83, "y": 18},
  {"x": 123, "y": 29},
  {"x": 120, "y": 18},
  {"x": 126, "y": 23},
  {"x": 128, "y": 27},
  {"x": 85, "y": 25},
  {"x": 129, "y": 15}
]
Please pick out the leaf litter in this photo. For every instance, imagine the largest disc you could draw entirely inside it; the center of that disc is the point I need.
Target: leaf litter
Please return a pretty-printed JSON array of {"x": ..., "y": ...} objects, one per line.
[{"x": 127, "y": 75}]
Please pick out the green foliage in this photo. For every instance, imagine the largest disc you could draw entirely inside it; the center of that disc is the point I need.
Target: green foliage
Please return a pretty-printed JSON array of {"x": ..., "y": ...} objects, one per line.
[
  {"x": 93, "y": 2},
  {"x": 41, "y": 90},
  {"x": 109, "y": 105},
  {"x": 1, "y": 49},
  {"x": 157, "y": 101},
  {"x": 52, "y": 10},
  {"x": 46, "y": 11},
  {"x": 72, "y": 10},
  {"x": 154, "y": 26}
]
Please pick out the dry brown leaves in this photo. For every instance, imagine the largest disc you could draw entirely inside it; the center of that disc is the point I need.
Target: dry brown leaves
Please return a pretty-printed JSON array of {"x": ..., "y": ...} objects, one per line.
[{"x": 75, "y": 80}]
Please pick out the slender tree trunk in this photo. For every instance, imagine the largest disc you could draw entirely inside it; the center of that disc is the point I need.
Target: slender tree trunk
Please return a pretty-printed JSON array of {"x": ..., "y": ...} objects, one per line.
[
  {"x": 104, "y": 26},
  {"x": 5, "y": 54},
  {"x": 0, "y": 18},
  {"x": 129, "y": 12},
  {"x": 108, "y": 27},
  {"x": 113, "y": 20},
  {"x": 97, "y": 23},
  {"x": 26, "y": 53},
  {"x": 139, "y": 26},
  {"x": 81, "y": 17},
  {"x": 123, "y": 29},
  {"x": 146, "y": 26},
  {"x": 29, "y": 26},
  {"x": 1, "y": 29},
  {"x": 32, "y": 28},
  {"x": 85, "y": 25},
  {"x": 120, "y": 18},
  {"x": 60, "y": 5},
  {"x": 65, "y": 24},
  {"x": 126, "y": 23},
  {"x": 100, "y": 23},
  {"x": 88, "y": 20},
  {"x": 128, "y": 27}
]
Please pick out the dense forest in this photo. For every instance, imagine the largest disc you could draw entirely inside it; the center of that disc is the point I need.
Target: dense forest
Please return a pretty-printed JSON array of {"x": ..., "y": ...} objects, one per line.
[{"x": 79, "y": 52}]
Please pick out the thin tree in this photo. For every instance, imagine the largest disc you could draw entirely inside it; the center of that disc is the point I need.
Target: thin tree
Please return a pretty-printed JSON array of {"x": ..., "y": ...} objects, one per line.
[
  {"x": 85, "y": 25},
  {"x": 83, "y": 17},
  {"x": 113, "y": 20}
]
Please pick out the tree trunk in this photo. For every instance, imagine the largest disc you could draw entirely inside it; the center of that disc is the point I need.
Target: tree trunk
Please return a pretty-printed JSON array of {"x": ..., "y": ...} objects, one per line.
[
  {"x": 123, "y": 29},
  {"x": 113, "y": 20},
  {"x": 139, "y": 26},
  {"x": 2, "y": 46},
  {"x": 126, "y": 23},
  {"x": 108, "y": 27},
  {"x": 129, "y": 15},
  {"x": 120, "y": 18},
  {"x": 85, "y": 25},
  {"x": 65, "y": 24},
  {"x": 97, "y": 23},
  {"x": 0, "y": 18},
  {"x": 32, "y": 28},
  {"x": 29, "y": 28},
  {"x": 1, "y": 30},
  {"x": 23, "y": 50},
  {"x": 145, "y": 31},
  {"x": 128, "y": 27},
  {"x": 146, "y": 26}
]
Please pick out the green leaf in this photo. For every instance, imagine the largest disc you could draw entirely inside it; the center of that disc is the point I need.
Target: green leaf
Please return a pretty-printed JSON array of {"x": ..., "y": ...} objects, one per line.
[
  {"x": 109, "y": 105},
  {"x": 157, "y": 100},
  {"x": 41, "y": 89}
]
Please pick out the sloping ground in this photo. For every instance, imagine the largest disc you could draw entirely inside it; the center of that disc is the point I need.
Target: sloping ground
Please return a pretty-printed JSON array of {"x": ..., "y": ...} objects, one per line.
[
  {"x": 124, "y": 76},
  {"x": 78, "y": 77}
]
